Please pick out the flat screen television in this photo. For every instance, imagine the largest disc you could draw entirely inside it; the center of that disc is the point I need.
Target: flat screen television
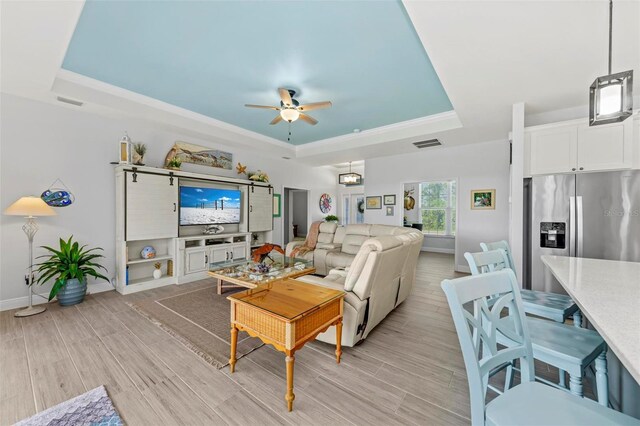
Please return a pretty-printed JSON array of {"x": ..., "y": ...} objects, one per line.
[{"x": 209, "y": 206}]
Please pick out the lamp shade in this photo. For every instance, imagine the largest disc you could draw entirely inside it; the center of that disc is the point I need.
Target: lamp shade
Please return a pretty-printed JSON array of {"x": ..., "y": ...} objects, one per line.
[
  {"x": 289, "y": 114},
  {"x": 29, "y": 206}
]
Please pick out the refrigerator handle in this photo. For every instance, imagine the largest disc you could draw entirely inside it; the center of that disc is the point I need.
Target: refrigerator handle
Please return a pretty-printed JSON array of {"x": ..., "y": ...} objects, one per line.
[
  {"x": 579, "y": 226},
  {"x": 572, "y": 226}
]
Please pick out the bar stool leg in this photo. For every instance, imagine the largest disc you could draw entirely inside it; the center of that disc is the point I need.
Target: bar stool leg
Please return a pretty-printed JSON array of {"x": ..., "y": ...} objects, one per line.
[
  {"x": 602, "y": 379},
  {"x": 577, "y": 319},
  {"x": 575, "y": 385}
]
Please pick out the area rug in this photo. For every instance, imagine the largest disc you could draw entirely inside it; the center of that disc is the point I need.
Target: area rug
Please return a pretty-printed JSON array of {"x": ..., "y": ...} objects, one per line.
[
  {"x": 91, "y": 408},
  {"x": 199, "y": 319}
]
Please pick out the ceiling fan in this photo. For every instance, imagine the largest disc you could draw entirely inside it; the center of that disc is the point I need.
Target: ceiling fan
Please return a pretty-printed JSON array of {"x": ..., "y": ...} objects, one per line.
[{"x": 290, "y": 109}]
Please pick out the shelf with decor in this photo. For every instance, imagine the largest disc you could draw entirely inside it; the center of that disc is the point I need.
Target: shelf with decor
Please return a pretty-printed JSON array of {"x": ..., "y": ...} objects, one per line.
[{"x": 148, "y": 214}]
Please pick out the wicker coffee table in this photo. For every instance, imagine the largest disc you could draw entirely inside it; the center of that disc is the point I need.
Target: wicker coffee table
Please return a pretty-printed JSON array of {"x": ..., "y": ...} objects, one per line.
[
  {"x": 286, "y": 314},
  {"x": 249, "y": 274}
]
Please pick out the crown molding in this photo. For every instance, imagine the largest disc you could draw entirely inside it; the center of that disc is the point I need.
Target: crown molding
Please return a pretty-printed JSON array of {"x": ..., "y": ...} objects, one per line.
[
  {"x": 419, "y": 127},
  {"x": 126, "y": 102}
]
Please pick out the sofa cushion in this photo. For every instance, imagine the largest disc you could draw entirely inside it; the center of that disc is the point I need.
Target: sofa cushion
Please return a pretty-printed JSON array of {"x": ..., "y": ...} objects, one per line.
[
  {"x": 327, "y": 229},
  {"x": 379, "y": 230},
  {"x": 365, "y": 259},
  {"x": 339, "y": 235},
  {"x": 336, "y": 259},
  {"x": 335, "y": 282},
  {"x": 359, "y": 229},
  {"x": 352, "y": 243}
]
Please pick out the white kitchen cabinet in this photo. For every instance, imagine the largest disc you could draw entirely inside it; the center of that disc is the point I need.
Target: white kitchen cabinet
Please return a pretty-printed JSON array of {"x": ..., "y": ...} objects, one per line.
[
  {"x": 605, "y": 147},
  {"x": 574, "y": 147},
  {"x": 554, "y": 150},
  {"x": 260, "y": 208},
  {"x": 151, "y": 207}
]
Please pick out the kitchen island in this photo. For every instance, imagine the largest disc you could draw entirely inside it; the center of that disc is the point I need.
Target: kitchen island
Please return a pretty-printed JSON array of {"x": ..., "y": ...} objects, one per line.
[{"x": 608, "y": 294}]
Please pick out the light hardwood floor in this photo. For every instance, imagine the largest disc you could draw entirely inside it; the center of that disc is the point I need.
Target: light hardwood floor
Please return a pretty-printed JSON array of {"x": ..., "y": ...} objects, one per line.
[{"x": 408, "y": 371}]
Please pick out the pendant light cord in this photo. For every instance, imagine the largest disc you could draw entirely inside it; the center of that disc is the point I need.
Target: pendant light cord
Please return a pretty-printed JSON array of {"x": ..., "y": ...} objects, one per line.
[{"x": 610, "y": 32}]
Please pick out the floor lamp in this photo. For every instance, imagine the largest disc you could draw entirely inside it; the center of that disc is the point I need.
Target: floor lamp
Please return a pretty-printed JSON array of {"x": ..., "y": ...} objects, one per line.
[{"x": 30, "y": 207}]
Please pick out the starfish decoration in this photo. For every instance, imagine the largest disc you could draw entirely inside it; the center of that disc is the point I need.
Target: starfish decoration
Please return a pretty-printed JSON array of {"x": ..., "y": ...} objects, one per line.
[{"x": 241, "y": 169}]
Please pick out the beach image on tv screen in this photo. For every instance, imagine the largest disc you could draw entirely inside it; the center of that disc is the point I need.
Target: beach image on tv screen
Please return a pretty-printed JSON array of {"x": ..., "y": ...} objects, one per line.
[{"x": 206, "y": 206}]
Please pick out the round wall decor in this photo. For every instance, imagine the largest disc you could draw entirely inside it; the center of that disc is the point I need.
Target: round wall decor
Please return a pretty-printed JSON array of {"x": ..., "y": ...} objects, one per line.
[{"x": 325, "y": 203}]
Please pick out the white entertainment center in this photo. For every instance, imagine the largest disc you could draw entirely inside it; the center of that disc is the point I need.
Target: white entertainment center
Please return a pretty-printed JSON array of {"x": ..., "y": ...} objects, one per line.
[{"x": 148, "y": 214}]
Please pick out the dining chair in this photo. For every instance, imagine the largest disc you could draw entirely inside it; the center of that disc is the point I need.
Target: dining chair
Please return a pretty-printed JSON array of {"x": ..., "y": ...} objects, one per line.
[
  {"x": 570, "y": 349},
  {"x": 529, "y": 402},
  {"x": 556, "y": 307}
]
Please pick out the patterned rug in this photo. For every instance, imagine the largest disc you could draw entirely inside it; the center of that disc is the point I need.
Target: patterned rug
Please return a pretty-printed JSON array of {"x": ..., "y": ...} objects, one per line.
[
  {"x": 199, "y": 319},
  {"x": 92, "y": 408}
]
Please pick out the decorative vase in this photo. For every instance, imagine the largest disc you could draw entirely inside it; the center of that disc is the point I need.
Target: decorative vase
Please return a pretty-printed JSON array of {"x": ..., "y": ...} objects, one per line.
[
  {"x": 72, "y": 292},
  {"x": 157, "y": 273}
]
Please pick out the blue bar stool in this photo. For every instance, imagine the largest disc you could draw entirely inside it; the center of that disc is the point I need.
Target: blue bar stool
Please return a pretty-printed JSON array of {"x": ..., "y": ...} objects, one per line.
[
  {"x": 556, "y": 307},
  {"x": 529, "y": 402},
  {"x": 570, "y": 349}
]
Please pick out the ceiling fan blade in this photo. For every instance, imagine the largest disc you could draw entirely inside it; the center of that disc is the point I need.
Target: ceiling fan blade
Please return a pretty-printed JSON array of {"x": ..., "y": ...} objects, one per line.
[
  {"x": 262, "y": 106},
  {"x": 276, "y": 120},
  {"x": 314, "y": 105},
  {"x": 285, "y": 96},
  {"x": 308, "y": 119}
]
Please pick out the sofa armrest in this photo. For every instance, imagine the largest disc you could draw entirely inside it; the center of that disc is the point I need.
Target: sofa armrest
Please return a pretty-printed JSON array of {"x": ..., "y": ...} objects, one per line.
[
  {"x": 328, "y": 246},
  {"x": 339, "y": 271},
  {"x": 292, "y": 245}
]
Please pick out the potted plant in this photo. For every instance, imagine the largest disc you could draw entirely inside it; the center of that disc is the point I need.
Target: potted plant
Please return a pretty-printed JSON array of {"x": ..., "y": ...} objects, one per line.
[
  {"x": 139, "y": 150},
  {"x": 69, "y": 266},
  {"x": 331, "y": 218},
  {"x": 174, "y": 163}
]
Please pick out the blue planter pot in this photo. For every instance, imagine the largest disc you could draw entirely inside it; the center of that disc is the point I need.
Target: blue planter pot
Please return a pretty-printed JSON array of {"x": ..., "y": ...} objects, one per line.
[{"x": 72, "y": 293}]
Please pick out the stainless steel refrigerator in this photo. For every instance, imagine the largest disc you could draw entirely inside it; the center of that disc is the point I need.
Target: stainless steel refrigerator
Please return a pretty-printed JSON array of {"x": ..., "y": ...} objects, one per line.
[{"x": 594, "y": 215}]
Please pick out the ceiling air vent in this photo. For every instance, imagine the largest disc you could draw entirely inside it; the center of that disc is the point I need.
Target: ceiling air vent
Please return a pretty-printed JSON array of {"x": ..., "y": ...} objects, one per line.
[
  {"x": 69, "y": 101},
  {"x": 427, "y": 144}
]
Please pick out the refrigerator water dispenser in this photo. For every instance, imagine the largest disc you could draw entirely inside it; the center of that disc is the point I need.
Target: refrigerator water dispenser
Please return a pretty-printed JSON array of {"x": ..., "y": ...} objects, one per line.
[{"x": 552, "y": 235}]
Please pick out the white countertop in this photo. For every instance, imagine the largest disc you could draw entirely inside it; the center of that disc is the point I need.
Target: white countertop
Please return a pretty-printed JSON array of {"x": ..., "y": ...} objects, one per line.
[{"x": 608, "y": 294}]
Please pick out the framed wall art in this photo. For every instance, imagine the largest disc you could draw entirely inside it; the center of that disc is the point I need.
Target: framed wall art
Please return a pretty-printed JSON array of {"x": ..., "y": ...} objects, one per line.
[
  {"x": 277, "y": 210},
  {"x": 374, "y": 202},
  {"x": 390, "y": 200},
  {"x": 483, "y": 199}
]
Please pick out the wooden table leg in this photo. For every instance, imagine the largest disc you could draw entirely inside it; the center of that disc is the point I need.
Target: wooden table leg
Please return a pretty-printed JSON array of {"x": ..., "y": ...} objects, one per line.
[
  {"x": 219, "y": 286},
  {"x": 338, "y": 340},
  {"x": 234, "y": 342},
  {"x": 290, "y": 396}
]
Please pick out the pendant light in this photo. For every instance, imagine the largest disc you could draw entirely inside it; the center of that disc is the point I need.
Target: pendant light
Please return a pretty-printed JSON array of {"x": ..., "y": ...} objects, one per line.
[
  {"x": 611, "y": 96},
  {"x": 350, "y": 178}
]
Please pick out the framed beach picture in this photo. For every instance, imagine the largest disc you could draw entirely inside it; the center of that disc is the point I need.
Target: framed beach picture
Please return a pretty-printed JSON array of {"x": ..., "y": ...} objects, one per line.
[
  {"x": 374, "y": 202},
  {"x": 277, "y": 212},
  {"x": 483, "y": 199},
  {"x": 390, "y": 200}
]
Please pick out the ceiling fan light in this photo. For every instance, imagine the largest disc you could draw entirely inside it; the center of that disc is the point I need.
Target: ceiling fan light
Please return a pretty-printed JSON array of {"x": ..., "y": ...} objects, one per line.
[
  {"x": 289, "y": 114},
  {"x": 611, "y": 98}
]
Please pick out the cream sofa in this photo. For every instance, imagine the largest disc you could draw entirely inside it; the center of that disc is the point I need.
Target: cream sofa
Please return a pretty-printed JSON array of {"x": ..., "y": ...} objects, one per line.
[
  {"x": 379, "y": 277},
  {"x": 324, "y": 245},
  {"x": 338, "y": 245}
]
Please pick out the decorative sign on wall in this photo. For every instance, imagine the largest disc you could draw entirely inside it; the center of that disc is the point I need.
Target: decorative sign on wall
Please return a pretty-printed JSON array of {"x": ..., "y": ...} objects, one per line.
[
  {"x": 277, "y": 211},
  {"x": 58, "y": 196},
  {"x": 374, "y": 202},
  {"x": 325, "y": 203},
  {"x": 483, "y": 199},
  {"x": 195, "y": 154}
]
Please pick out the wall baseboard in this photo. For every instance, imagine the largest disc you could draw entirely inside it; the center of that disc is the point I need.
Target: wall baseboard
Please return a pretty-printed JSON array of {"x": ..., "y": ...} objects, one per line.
[
  {"x": 23, "y": 302},
  {"x": 438, "y": 250},
  {"x": 463, "y": 268}
]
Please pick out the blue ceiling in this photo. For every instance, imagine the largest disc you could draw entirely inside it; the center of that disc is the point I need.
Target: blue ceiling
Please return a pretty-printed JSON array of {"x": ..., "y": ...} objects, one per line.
[{"x": 212, "y": 57}]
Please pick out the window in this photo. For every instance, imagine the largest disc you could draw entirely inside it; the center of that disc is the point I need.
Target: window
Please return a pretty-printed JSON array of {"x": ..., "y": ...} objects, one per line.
[{"x": 438, "y": 207}]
